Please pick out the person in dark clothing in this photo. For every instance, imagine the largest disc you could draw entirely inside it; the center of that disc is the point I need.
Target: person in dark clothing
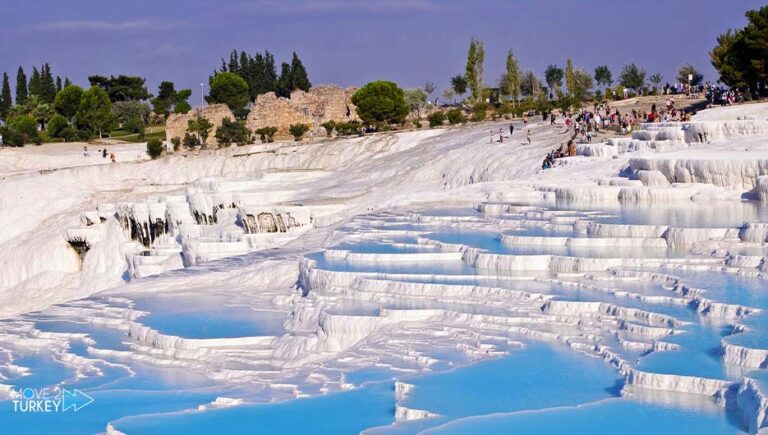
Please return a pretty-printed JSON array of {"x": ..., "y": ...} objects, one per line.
[
  {"x": 104, "y": 153},
  {"x": 511, "y": 129}
]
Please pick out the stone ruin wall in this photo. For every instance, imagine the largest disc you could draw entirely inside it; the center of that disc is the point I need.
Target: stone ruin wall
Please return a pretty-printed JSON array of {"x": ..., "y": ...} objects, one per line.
[
  {"x": 321, "y": 104},
  {"x": 176, "y": 125}
]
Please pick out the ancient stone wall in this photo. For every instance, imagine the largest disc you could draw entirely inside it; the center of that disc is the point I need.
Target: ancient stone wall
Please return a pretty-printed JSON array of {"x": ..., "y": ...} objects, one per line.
[
  {"x": 176, "y": 125},
  {"x": 321, "y": 104}
]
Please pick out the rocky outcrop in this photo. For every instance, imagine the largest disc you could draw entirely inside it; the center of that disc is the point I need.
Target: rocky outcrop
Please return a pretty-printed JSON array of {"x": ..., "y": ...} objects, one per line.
[
  {"x": 321, "y": 104},
  {"x": 176, "y": 125}
]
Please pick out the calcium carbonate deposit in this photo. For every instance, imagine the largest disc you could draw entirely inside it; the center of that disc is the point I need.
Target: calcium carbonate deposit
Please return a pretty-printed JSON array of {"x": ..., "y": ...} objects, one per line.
[{"x": 415, "y": 282}]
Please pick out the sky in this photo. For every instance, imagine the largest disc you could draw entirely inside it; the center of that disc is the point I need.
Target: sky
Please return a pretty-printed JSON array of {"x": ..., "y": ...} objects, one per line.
[{"x": 351, "y": 42}]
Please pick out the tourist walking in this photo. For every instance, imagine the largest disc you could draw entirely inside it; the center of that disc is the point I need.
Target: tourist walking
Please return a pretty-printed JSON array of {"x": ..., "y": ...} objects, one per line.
[
  {"x": 511, "y": 129},
  {"x": 85, "y": 150},
  {"x": 529, "y": 137}
]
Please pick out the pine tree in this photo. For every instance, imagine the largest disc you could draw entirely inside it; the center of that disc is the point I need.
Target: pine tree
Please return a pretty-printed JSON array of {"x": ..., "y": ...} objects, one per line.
[
  {"x": 21, "y": 87},
  {"x": 34, "y": 82},
  {"x": 5, "y": 97},
  {"x": 67, "y": 82},
  {"x": 59, "y": 87},
  {"x": 299, "y": 77}
]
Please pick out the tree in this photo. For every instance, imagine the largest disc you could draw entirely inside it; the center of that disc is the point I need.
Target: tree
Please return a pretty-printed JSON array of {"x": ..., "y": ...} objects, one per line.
[
  {"x": 511, "y": 79},
  {"x": 130, "y": 111},
  {"x": 582, "y": 85},
  {"x": 266, "y": 134},
  {"x": 455, "y": 116},
  {"x": 169, "y": 99},
  {"x": 530, "y": 85},
  {"x": 59, "y": 86},
  {"x": 67, "y": 101},
  {"x": 47, "y": 84},
  {"x": 284, "y": 82},
  {"x": 603, "y": 76},
  {"x": 154, "y": 148},
  {"x": 741, "y": 56},
  {"x": 554, "y": 78},
  {"x": 298, "y": 130},
  {"x": 5, "y": 98},
  {"x": 474, "y": 68},
  {"x": 34, "y": 82},
  {"x": 299, "y": 77},
  {"x": 632, "y": 77},
  {"x": 436, "y": 119},
  {"x": 381, "y": 102},
  {"x": 200, "y": 126},
  {"x": 416, "y": 98},
  {"x": 56, "y": 125},
  {"x": 232, "y": 131},
  {"x": 95, "y": 110},
  {"x": 122, "y": 87},
  {"x": 569, "y": 79},
  {"x": 449, "y": 94},
  {"x": 25, "y": 128},
  {"x": 21, "y": 87},
  {"x": 656, "y": 81},
  {"x": 229, "y": 89},
  {"x": 459, "y": 85},
  {"x": 429, "y": 88},
  {"x": 689, "y": 70}
]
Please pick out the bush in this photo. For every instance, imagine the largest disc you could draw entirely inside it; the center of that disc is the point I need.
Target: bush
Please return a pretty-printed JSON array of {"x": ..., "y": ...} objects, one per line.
[
  {"x": 232, "y": 131},
  {"x": 329, "y": 126},
  {"x": 436, "y": 119},
  {"x": 12, "y": 138},
  {"x": 69, "y": 134},
  {"x": 416, "y": 123},
  {"x": 347, "y": 128},
  {"x": 266, "y": 134},
  {"x": 22, "y": 130},
  {"x": 56, "y": 125},
  {"x": 381, "y": 102},
  {"x": 478, "y": 111},
  {"x": 176, "y": 141},
  {"x": 298, "y": 130},
  {"x": 190, "y": 140},
  {"x": 154, "y": 148},
  {"x": 456, "y": 116},
  {"x": 134, "y": 125}
]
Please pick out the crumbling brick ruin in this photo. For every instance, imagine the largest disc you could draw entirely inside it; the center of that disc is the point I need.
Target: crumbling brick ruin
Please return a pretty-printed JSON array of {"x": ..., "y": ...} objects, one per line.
[{"x": 176, "y": 125}]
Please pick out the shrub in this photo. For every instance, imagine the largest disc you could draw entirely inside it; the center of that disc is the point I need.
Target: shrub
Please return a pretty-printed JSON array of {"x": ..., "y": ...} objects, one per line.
[
  {"x": 266, "y": 134},
  {"x": 134, "y": 125},
  {"x": 232, "y": 131},
  {"x": 478, "y": 111},
  {"x": 416, "y": 123},
  {"x": 154, "y": 148},
  {"x": 436, "y": 119},
  {"x": 329, "y": 126},
  {"x": 56, "y": 125},
  {"x": 12, "y": 138},
  {"x": 190, "y": 140},
  {"x": 22, "y": 130},
  {"x": 347, "y": 128},
  {"x": 176, "y": 141},
  {"x": 381, "y": 102},
  {"x": 455, "y": 116},
  {"x": 69, "y": 134},
  {"x": 298, "y": 130}
]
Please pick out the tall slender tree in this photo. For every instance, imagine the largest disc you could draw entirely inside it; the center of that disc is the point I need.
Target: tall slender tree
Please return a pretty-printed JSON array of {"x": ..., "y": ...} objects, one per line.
[
  {"x": 59, "y": 86},
  {"x": 510, "y": 80},
  {"x": 5, "y": 98},
  {"x": 474, "y": 68},
  {"x": 21, "y": 87},
  {"x": 34, "y": 82},
  {"x": 47, "y": 84},
  {"x": 570, "y": 84},
  {"x": 284, "y": 82},
  {"x": 67, "y": 82}
]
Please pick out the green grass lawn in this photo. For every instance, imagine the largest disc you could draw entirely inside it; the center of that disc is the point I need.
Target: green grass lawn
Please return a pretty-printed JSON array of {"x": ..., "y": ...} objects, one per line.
[{"x": 151, "y": 132}]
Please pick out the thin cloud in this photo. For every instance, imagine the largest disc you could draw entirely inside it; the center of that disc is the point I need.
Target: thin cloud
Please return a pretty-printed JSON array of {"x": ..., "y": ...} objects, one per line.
[
  {"x": 308, "y": 6},
  {"x": 103, "y": 26}
]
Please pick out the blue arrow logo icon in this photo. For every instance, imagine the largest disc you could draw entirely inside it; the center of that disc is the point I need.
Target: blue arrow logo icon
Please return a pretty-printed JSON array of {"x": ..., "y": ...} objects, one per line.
[{"x": 75, "y": 400}]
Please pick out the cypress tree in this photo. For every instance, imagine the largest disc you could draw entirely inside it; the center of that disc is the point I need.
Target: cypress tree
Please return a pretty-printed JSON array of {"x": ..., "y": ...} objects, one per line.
[
  {"x": 67, "y": 82},
  {"x": 47, "y": 84},
  {"x": 299, "y": 77},
  {"x": 58, "y": 84},
  {"x": 21, "y": 87},
  {"x": 5, "y": 97},
  {"x": 34, "y": 83},
  {"x": 284, "y": 82}
]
